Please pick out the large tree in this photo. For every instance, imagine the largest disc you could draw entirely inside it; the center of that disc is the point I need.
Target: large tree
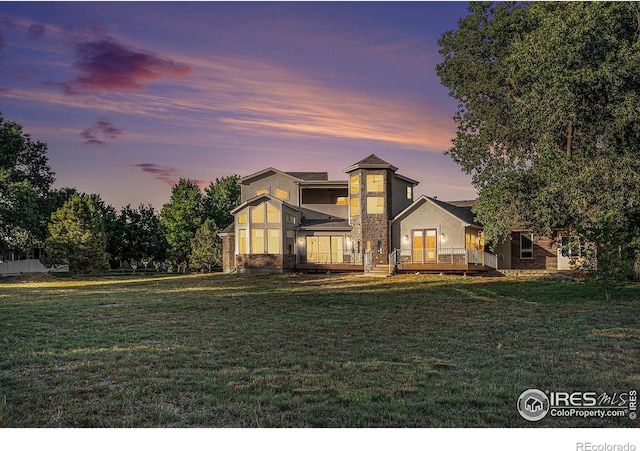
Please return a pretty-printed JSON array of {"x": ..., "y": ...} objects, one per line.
[
  {"x": 77, "y": 235},
  {"x": 25, "y": 182},
  {"x": 142, "y": 236},
  {"x": 220, "y": 198},
  {"x": 548, "y": 123},
  {"x": 180, "y": 218}
]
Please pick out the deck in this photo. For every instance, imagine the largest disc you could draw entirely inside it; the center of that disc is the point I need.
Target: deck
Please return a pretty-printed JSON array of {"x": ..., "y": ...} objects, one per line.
[
  {"x": 442, "y": 267},
  {"x": 333, "y": 267}
]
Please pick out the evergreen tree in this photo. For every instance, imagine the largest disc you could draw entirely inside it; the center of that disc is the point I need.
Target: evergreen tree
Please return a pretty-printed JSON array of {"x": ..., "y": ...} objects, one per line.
[
  {"x": 206, "y": 247},
  {"x": 220, "y": 198},
  {"x": 77, "y": 235}
]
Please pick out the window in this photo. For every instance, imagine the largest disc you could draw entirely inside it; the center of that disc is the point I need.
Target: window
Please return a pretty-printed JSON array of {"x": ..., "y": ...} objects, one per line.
[
  {"x": 273, "y": 243},
  {"x": 262, "y": 191},
  {"x": 526, "y": 245},
  {"x": 471, "y": 241},
  {"x": 375, "y": 205},
  {"x": 325, "y": 249},
  {"x": 342, "y": 200},
  {"x": 273, "y": 214},
  {"x": 354, "y": 184},
  {"x": 257, "y": 214},
  {"x": 375, "y": 183},
  {"x": 291, "y": 219},
  {"x": 355, "y": 206},
  {"x": 242, "y": 241},
  {"x": 409, "y": 192},
  {"x": 242, "y": 219},
  {"x": 257, "y": 241},
  {"x": 282, "y": 194}
]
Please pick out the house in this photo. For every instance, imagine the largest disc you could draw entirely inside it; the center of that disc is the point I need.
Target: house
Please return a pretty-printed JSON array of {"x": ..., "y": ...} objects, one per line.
[{"x": 302, "y": 221}]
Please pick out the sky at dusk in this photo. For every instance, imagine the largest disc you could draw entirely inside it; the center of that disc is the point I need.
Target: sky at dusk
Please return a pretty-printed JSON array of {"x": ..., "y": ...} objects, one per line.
[{"x": 130, "y": 97}]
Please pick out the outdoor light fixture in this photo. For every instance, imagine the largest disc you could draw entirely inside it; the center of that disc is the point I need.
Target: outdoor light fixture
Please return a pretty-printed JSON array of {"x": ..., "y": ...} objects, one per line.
[
  {"x": 406, "y": 237},
  {"x": 443, "y": 236}
]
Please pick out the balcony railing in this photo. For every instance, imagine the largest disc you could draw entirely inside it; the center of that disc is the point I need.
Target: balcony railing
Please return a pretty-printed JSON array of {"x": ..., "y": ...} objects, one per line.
[{"x": 332, "y": 258}]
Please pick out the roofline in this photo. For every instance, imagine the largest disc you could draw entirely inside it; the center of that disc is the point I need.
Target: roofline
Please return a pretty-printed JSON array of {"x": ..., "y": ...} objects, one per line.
[
  {"x": 353, "y": 167},
  {"x": 407, "y": 179},
  {"x": 424, "y": 198},
  {"x": 264, "y": 171}
]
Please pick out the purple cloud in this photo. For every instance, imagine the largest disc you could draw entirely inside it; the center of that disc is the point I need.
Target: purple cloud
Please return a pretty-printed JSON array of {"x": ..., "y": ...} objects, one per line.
[
  {"x": 108, "y": 66},
  {"x": 35, "y": 31},
  {"x": 166, "y": 174},
  {"x": 102, "y": 128}
]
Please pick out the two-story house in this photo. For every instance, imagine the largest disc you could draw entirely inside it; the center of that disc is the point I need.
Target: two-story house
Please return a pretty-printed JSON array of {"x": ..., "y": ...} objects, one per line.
[{"x": 304, "y": 221}]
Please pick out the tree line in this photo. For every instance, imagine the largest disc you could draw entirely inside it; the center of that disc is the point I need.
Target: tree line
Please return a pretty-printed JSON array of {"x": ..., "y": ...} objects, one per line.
[{"x": 91, "y": 236}]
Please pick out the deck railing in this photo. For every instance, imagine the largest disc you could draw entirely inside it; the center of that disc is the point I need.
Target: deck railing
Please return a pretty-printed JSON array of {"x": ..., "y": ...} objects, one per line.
[{"x": 442, "y": 256}]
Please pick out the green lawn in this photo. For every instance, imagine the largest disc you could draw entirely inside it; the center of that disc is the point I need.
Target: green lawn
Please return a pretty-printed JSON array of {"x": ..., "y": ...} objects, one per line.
[{"x": 302, "y": 350}]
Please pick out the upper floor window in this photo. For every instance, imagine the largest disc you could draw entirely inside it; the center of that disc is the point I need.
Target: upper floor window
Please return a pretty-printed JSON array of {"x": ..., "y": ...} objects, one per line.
[
  {"x": 375, "y": 183},
  {"x": 273, "y": 214},
  {"x": 526, "y": 245},
  {"x": 354, "y": 208},
  {"x": 290, "y": 219},
  {"x": 409, "y": 192},
  {"x": 375, "y": 205},
  {"x": 342, "y": 200},
  {"x": 257, "y": 214},
  {"x": 354, "y": 184},
  {"x": 282, "y": 194},
  {"x": 262, "y": 191},
  {"x": 242, "y": 219}
]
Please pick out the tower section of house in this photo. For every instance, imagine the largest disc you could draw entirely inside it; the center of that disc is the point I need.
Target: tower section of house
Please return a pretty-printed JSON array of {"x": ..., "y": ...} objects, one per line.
[{"x": 376, "y": 194}]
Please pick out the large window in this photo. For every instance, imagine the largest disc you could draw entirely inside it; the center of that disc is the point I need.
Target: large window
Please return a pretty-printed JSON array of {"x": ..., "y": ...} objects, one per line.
[
  {"x": 325, "y": 249},
  {"x": 257, "y": 214},
  {"x": 526, "y": 245},
  {"x": 257, "y": 241},
  {"x": 375, "y": 205},
  {"x": 375, "y": 183},
  {"x": 242, "y": 241},
  {"x": 273, "y": 214},
  {"x": 273, "y": 243},
  {"x": 262, "y": 191}
]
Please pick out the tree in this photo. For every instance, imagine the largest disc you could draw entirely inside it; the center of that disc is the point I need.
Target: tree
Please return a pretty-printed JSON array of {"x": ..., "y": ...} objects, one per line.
[
  {"x": 77, "y": 235},
  {"x": 180, "y": 218},
  {"x": 220, "y": 198},
  {"x": 25, "y": 181},
  {"x": 548, "y": 123},
  {"x": 206, "y": 247},
  {"x": 142, "y": 236}
]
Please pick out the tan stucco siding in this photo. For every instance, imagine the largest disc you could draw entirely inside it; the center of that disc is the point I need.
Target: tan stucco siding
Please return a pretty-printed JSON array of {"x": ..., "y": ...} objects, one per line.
[
  {"x": 271, "y": 181},
  {"x": 429, "y": 216}
]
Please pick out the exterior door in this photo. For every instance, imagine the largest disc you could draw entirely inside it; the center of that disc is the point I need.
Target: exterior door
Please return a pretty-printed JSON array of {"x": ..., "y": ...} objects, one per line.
[
  {"x": 424, "y": 246},
  {"x": 568, "y": 252}
]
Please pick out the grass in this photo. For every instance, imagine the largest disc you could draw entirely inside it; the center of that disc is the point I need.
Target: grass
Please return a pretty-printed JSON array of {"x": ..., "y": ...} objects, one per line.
[{"x": 303, "y": 350}]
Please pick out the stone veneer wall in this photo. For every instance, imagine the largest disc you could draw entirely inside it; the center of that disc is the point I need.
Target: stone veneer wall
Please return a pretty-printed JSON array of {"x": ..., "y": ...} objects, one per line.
[
  {"x": 256, "y": 263},
  {"x": 228, "y": 251}
]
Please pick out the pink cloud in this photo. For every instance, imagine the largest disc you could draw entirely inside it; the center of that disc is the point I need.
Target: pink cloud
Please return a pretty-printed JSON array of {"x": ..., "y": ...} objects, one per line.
[
  {"x": 108, "y": 66},
  {"x": 166, "y": 174}
]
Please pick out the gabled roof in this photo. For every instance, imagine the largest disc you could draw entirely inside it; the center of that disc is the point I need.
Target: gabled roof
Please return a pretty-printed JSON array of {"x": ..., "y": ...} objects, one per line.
[
  {"x": 463, "y": 203},
  {"x": 371, "y": 162},
  {"x": 259, "y": 199},
  {"x": 464, "y": 214},
  {"x": 247, "y": 178}
]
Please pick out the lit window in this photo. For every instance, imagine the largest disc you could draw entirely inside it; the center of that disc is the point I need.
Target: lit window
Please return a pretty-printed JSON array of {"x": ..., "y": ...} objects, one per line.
[
  {"x": 409, "y": 192},
  {"x": 257, "y": 214},
  {"x": 291, "y": 219},
  {"x": 355, "y": 206},
  {"x": 242, "y": 219},
  {"x": 471, "y": 241},
  {"x": 282, "y": 194},
  {"x": 273, "y": 214},
  {"x": 262, "y": 191},
  {"x": 242, "y": 241},
  {"x": 257, "y": 241},
  {"x": 375, "y": 183},
  {"x": 354, "y": 184},
  {"x": 273, "y": 243},
  {"x": 526, "y": 245},
  {"x": 375, "y": 205},
  {"x": 341, "y": 200}
]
